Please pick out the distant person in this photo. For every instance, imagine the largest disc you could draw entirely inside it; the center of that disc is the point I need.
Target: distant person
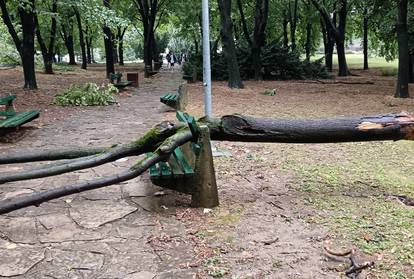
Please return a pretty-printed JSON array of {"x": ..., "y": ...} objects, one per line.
[
  {"x": 168, "y": 60},
  {"x": 173, "y": 60}
]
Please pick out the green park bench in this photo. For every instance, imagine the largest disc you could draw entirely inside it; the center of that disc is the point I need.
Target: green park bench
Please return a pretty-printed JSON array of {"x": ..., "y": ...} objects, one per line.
[
  {"x": 11, "y": 119},
  {"x": 115, "y": 79},
  {"x": 190, "y": 168},
  {"x": 178, "y": 100}
]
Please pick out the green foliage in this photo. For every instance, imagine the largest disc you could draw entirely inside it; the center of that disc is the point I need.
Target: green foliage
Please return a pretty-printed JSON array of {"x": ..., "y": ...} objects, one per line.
[
  {"x": 89, "y": 94},
  {"x": 278, "y": 64}
]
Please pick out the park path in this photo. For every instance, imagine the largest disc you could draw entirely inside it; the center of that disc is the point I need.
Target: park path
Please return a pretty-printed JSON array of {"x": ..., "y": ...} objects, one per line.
[{"x": 105, "y": 233}]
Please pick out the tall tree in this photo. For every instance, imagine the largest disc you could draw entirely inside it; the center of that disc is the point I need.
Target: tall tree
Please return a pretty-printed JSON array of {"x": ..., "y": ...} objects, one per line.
[
  {"x": 48, "y": 52},
  {"x": 24, "y": 45},
  {"x": 403, "y": 52},
  {"x": 67, "y": 36},
  {"x": 229, "y": 47},
  {"x": 149, "y": 10},
  {"x": 337, "y": 31},
  {"x": 293, "y": 20},
  {"x": 81, "y": 37},
  {"x": 108, "y": 39},
  {"x": 259, "y": 36}
]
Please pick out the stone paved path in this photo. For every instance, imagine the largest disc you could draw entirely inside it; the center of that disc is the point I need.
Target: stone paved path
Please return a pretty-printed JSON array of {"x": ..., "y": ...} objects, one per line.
[{"x": 105, "y": 233}]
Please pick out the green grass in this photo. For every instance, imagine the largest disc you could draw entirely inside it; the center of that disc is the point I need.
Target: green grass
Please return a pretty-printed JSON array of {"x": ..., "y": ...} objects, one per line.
[
  {"x": 356, "y": 61},
  {"x": 354, "y": 198}
]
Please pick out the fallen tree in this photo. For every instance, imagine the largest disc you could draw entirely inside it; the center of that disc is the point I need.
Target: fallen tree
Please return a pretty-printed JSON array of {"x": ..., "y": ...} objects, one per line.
[{"x": 166, "y": 136}]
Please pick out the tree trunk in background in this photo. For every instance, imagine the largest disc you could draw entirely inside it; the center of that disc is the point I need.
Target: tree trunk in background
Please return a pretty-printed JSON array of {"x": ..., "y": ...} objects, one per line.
[
  {"x": 154, "y": 47},
  {"x": 25, "y": 46},
  {"x": 411, "y": 79},
  {"x": 115, "y": 50},
  {"x": 340, "y": 39},
  {"x": 338, "y": 33},
  {"x": 365, "y": 42},
  {"x": 285, "y": 32},
  {"x": 110, "y": 67},
  {"x": 403, "y": 51},
  {"x": 28, "y": 50},
  {"x": 120, "y": 37},
  {"x": 308, "y": 46},
  {"x": 81, "y": 38},
  {"x": 259, "y": 36},
  {"x": 67, "y": 35},
  {"x": 244, "y": 23},
  {"x": 47, "y": 52},
  {"x": 228, "y": 44},
  {"x": 88, "y": 50},
  {"x": 293, "y": 19}
]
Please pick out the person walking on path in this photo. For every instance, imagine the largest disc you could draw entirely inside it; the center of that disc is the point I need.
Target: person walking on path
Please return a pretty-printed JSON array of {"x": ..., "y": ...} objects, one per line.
[
  {"x": 173, "y": 60},
  {"x": 168, "y": 60}
]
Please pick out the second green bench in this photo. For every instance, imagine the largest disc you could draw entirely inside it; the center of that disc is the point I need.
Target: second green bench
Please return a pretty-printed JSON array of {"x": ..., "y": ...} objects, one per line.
[{"x": 11, "y": 119}]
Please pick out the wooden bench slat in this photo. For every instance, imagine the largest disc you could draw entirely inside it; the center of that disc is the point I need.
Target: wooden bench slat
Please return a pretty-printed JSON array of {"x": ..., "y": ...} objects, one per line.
[
  {"x": 164, "y": 169},
  {"x": 175, "y": 166},
  {"x": 19, "y": 119},
  {"x": 178, "y": 154},
  {"x": 6, "y": 100},
  {"x": 8, "y": 113}
]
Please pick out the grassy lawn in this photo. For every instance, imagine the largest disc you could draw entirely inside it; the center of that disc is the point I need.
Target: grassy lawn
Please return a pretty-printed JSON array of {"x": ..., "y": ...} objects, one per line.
[{"x": 356, "y": 61}]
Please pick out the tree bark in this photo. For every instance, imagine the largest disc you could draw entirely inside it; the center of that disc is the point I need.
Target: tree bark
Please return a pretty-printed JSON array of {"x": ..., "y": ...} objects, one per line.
[
  {"x": 365, "y": 41},
  {"x": 67, "y": 35},
  {"x": 109, "y": 53},
  {"x": 259, "y": 36},
  {"x": 229, "y": 47},
  {"x": 120, "y": 36},
  {"x": 308, "y": 45},
  {"x": 370, "y": 128},
  {"x": 26, "y": 13},
  {"x": 285, "y": 32},
  {"x": 47, "y": 52},
  {"x": 337, "y": 32},
  {"x": 24, "y": 46},
  {"x": 411, "y": 79},
  {"x": 293, "y": 18},
  {"x": 81, "y": 38},
  {"x": 244, "y": 23},
  {"x": 403, "y": 51}
]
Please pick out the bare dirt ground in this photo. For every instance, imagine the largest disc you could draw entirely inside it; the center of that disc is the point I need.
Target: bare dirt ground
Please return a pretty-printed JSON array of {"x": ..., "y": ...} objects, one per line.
[{"x": 280, "y": 206}]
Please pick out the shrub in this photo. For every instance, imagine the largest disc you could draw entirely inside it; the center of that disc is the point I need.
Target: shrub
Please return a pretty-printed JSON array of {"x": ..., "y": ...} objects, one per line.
[
  {"x": 277, "y": 63},
  {"x": 89, "y": 94}
]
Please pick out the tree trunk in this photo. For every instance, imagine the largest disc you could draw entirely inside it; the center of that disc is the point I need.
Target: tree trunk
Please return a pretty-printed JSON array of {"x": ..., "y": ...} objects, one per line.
[
  {"x": 293, "y": 22},
  {"x": 411, "y": 79},
  {"x": 67, "y": 35},
  {"x": 259, "y": 36},
  {"x": 340, "y": 39},
  {"x": 228, "y": 128},
  {"x": 110, "y": 67},
  {"x": 120, "y": 36},
  {"x": 403, "y": 51},
  {"x": 365, "y": 42},
  {"x": 81, "y": 38},
  {"x": 228, "y": 44},
  {"x": 308, "y": 46},
  {"x": 47, "y": 52},
  {"x": 343, "y": 67},
  {"x": 244, "y": 23},
  {"x": 27, "y": 52},
  {"x": 285, "y": 32},
  {"x": 88, "y": 50}
]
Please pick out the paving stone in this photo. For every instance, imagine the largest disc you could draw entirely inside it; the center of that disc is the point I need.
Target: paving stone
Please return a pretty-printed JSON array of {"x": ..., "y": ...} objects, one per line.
[
  {"x": 93, "y": 214},
  {"x": 17, "y": 259},
  {"x": 19, "y": 229}
]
